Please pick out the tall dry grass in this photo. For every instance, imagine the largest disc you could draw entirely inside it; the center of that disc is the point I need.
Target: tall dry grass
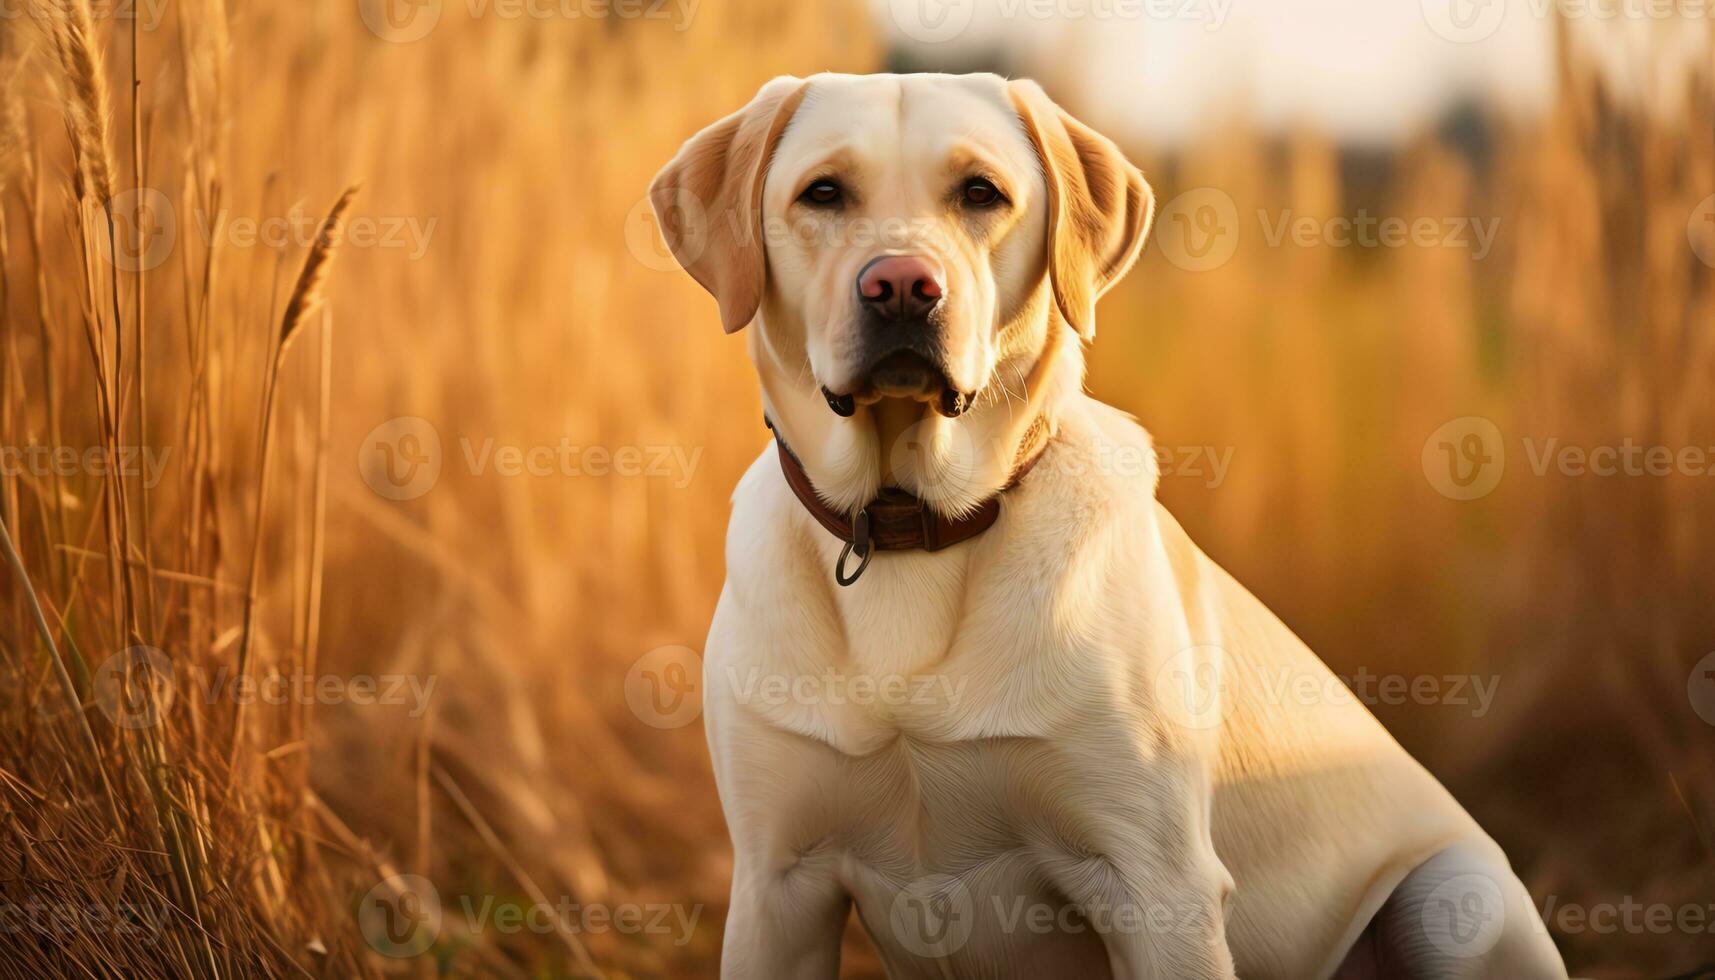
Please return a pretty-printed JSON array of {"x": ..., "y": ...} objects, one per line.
[
  {"x": 219, "y": 837},
  {"x": 159, "y": 822}
]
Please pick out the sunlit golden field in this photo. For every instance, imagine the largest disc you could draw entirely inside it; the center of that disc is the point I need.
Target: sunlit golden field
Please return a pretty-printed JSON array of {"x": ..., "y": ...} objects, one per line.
[{"x": 498, "y": 288}]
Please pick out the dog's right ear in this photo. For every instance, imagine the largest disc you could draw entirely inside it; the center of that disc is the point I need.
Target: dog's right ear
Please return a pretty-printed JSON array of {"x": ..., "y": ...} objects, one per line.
[{"x": 708, "y": 200}]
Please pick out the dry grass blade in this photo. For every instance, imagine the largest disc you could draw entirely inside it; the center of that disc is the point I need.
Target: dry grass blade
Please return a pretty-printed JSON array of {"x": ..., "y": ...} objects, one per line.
[
  {"x": 306, "y": 296},
  {"x": 575, "y": 946},
  {"x": 63, "y": 676},
  {"x": 307, "y": 293},
  {"x": 71, "y": 28}
]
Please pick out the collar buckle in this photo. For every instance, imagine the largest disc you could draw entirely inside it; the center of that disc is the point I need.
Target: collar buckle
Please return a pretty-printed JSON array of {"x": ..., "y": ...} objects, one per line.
[{"x": 859, "y": 543}]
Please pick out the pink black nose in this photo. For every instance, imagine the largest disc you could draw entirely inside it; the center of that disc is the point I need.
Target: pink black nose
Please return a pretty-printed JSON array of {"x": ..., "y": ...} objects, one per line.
[{"x": 900, "y": 287}]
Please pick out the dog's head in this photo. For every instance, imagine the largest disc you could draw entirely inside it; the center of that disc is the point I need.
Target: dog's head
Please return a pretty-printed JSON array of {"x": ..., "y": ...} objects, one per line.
[{"x": 908, "y": 245}]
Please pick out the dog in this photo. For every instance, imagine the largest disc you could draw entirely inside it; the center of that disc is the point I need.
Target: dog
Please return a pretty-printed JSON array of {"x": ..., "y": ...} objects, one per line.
[{"x": 966, "y": 675}]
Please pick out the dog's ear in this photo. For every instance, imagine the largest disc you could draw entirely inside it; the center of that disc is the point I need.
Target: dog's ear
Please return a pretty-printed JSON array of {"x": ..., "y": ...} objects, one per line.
[
  {"x": 1099, "y": 207},
  {"x": 708, "y": 200}
]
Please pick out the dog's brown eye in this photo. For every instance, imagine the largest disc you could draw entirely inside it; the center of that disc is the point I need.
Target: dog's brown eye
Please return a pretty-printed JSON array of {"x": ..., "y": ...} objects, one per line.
[
  {"x": 981, "y": 193},
  {"x": 822, "y": 193}
]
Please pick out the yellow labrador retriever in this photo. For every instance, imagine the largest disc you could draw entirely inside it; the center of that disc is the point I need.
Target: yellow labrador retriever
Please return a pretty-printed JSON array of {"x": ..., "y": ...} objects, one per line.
[{"x": 967, "y": 675}]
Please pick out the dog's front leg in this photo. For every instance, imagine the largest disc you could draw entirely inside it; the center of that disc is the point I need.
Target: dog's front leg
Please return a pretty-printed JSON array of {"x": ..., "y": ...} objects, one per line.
[
  {"x": 1158, "y": 925},
  {"x": 1148, "y": 880},
  {"x": 785, "y": 925},
  {"x": 1187, "y": 939}
]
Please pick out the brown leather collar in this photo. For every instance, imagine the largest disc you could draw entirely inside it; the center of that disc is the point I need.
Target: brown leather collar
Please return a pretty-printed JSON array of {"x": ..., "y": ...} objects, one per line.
[{"x": 895, "y": 520}]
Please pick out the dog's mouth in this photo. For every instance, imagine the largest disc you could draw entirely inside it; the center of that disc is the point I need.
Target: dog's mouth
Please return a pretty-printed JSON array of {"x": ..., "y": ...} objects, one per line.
[{"x": 904, "y": 374}]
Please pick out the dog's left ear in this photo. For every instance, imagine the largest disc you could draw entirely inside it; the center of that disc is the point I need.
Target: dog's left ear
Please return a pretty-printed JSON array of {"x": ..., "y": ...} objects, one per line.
[
  {"x": 708, "y": 200},
  {"x": 1099, "y": 207}
]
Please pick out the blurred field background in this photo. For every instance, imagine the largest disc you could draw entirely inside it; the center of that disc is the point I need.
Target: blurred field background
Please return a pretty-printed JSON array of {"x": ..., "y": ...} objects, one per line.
[{"x": 541, "y": 309}]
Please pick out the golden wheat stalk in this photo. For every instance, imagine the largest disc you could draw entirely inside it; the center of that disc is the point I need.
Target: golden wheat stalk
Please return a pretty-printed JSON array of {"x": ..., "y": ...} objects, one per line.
[
  {"x": 71, "y": 27},
  {"x": 307, "y": 295}
]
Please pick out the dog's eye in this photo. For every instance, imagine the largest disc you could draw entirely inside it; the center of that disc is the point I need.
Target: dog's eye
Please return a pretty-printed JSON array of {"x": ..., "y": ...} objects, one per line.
[
  {"x": 822, "y": 193},
  {"x": 982, "y": 193}
]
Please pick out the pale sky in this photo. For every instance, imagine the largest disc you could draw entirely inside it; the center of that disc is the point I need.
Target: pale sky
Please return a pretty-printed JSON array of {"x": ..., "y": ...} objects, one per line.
[{"x": 1361, "y": 69}]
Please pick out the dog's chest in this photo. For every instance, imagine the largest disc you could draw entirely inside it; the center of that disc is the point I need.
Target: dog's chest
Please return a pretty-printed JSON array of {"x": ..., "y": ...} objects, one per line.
[
  {"x": 918, "y": 651},
  {"x": 964, "y": 753},
  {"x": 964, "y": 851}
]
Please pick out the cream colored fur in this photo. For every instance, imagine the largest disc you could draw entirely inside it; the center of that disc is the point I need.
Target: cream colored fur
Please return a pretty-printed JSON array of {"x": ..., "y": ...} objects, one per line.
[{"x": 1076, "y": 710}]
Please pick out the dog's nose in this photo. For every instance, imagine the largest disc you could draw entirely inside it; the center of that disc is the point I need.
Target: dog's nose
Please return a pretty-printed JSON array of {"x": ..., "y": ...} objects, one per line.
[{"x": 900, "y": 287}]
